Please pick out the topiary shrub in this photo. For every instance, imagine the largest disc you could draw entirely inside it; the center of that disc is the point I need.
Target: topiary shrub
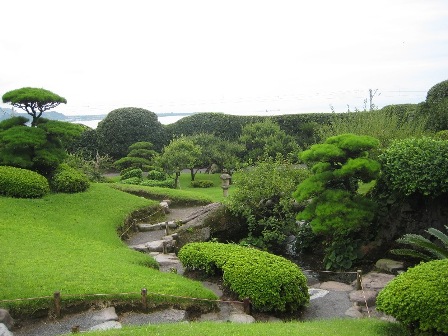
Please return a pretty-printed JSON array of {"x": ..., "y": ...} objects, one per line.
[
  {"x": 437, "y": 93},
  {"x": 69, "y": 180},
  {"x": 156, "y": 175},
  {"x": 202, "y": 184},
  {"x": 168, "y": 183},
  {"x": 272, "y": 283},
  {"x": 135, "y": 172},
  {"x": 22, "y": 183},
  {"x": 418, "y": 298},
  {"x": 132, "y": 180}
]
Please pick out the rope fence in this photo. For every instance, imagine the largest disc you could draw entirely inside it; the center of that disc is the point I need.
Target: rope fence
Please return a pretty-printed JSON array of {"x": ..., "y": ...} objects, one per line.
[{"x": 246, "y": 303}]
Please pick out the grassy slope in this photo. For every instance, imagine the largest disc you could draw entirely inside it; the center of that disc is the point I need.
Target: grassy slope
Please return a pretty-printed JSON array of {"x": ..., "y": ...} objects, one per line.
[
  {"x": 68, "y": 243},
  {"x": 345, "y": 327}
]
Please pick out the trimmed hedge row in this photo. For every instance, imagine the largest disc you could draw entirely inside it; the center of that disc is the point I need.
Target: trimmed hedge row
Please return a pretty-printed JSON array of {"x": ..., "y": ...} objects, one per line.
[
  {"x": 272, "y": 283},
  {"x": 419, "y": 297},
  {"x": 22, "y": 183}
]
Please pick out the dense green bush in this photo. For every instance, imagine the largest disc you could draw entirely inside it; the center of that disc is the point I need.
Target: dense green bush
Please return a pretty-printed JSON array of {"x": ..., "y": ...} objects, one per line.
[
  {"x": 416, "y": 166},
  {"x": 437, "y": 93},
  {"x": 156, "y": 175},
  {"x": 272, "y": 283},
  {"x": 132, "y": 180},
  {"x": 168, "y": 183},
  {"x": 136, "y": 172},
  {"x": 69, "y": 180},
  {"x": 202, "y": 184},
  {"x": 418, "y": 298},
  {"x": 22, "y": 183}
]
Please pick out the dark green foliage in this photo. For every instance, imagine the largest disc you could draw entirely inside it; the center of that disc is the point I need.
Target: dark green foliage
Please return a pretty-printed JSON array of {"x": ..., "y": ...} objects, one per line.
[
  {"x": 335, "y": 208},
  {"x": 423, "y": 248},
  {"x": 156, "y": 175},
  {"x": 22, "y": 183},
  {"x": 266, "y": 139},
  {"x": 33, "y": 101},
  {"x": 437, "y": 93},
  {"x": 125, "y": 126},
  {"x": 441, "y": 135},
  {"x": 168, "y": 183},
  {"x": 263, "y": 198},
  {"x": 86, "y": 144},
  {"x": 271, "y": 282},
  {"x": 135, "y": 172},
  {"x": 131, "y": 162},
  {"x": 202, "y": 184},
  {"x": 418, "y": 298},
  {"x": 131, "y": 180},
  {"x": 67, "y": 179},
  {"x": 417, "y": 166}
]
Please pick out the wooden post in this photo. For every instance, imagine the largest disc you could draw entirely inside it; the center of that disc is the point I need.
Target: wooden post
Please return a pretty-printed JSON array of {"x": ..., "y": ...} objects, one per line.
[
  {"x": 75, "y": 329},
  {"x": 358, "y": 279},
  {"x": 167, "y": 230},
  {"x": 57, "y": 303},
  {"x": 145, "y": 298},
  {"x": 247, "y": 306},
  {"x": 164, "y": 249}
]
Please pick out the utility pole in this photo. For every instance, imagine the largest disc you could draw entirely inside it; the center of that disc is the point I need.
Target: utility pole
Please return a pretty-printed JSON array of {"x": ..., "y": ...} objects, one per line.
[{"x": 372, "y": 93}]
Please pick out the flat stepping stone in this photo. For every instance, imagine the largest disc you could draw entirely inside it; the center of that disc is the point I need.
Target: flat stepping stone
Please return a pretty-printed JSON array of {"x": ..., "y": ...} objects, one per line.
[
  {"x": 361, "y": 297},
  {"x": 107, "y": 326},
  {"x": 335, "y": 286},
  {"x": 390, "y": 265}
]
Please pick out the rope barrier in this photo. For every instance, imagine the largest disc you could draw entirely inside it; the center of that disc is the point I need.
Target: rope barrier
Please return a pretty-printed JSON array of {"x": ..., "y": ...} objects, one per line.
[{"x": 364, "y": 295}]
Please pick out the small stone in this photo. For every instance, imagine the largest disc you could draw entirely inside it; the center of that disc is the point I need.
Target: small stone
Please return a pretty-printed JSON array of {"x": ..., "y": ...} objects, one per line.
[
  {"x": 389, "y": 265},
  {"x": 155, "y": 246},
  {"x": 353, "y": 312},
  {"x": 6, "y": 318},
  {"x": 107, "y": 326},
  {"x": 336, "y": 286},
  {"x": 361, "y": 297},
  {"x": 241, "y": 318}
]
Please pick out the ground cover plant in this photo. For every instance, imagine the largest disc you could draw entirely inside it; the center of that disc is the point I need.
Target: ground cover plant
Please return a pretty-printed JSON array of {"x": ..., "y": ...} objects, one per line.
[
  {"x": 271, "y": 282},
  {"x": 68, "y": 243},
  {"x": 344, "y": 327}
]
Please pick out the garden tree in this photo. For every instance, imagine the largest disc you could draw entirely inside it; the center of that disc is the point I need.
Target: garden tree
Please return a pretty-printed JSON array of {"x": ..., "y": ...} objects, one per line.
[
  {"x": 33, "y": 101},
  {"x": 124, "y": 126},
  {"x": 416, "y": 166},
  {"x": 435, "y": 108},
  {"x": 336, "y": 210},
  {"x": 437, "y": 93},
  {"x": 390, "y": 123},
  {"x": 266, "y": 138},
  {"x": 214, "y": 150},
  {"x": 140, "y": 156},
  {"x": 41, "y": 148},
  {"x": 179, "y": 154},
  {"x": 86, "y": 144},
  {"x": 264, "y": 200}
]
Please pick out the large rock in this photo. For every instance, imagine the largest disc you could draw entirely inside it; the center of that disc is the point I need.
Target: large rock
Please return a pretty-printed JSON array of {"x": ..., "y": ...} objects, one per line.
[
  {"x": 106, "y": 314},
  {"x": 241, "y": 318},
  {"x": 376, "y": 281},
  {"x": 335, "y": 286},
  {"x": 4, "y": 331},
  {"x": 360, "y": 297},
  {"x": 6, "y": 319}
]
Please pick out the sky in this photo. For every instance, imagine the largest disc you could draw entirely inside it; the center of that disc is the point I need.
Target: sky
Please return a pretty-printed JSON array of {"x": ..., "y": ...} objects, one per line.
[{"x": 240, "y": 57}]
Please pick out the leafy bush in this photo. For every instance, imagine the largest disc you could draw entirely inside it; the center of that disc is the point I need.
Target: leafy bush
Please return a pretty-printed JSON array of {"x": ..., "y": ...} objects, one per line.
[
  {"x": 272, "y": 283},
  {"x": 437, "y": 93},
  {"x": 418, "y": 298},
  {"x": 156, "y": 175},
  {"x": 417, "y": 166},
  {"x": 132, "y": 180},
  {"x": 202, "y": 184},
  {"x": 168, "y": 183},
  {"x": 22, "y": 183},
  {"x": 136, "y": 172},
  {"x": 69, "y": 180}
]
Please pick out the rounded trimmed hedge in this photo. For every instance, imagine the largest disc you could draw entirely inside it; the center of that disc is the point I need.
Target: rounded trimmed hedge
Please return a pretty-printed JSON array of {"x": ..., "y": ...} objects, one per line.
[
  {"x": 130, "y": 173},
  {"x": 273, "y": 283},
  {"x": 418, "y": 298},
  {"x": 68, "y": 180},
  {"x": 22, "y": 183}
]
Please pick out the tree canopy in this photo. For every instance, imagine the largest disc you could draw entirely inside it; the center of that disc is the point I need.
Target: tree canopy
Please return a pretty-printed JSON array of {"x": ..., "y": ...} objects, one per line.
[{"x": 33, "y": 101}]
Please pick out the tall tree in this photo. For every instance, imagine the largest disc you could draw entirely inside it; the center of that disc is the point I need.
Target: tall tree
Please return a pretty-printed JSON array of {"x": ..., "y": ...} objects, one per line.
[{"x": 33, "y": 101}]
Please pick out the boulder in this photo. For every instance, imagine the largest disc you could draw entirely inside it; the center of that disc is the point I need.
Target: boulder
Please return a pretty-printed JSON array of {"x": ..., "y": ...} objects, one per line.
[
  {"x": 106, "y": 314},
  {"x": 241, "y": 318},
  {"x": 376, "y": 281},
  {"x": 6, "y": 319},
  {"x": 361, "y": 297},
  {"x": 354, "y": 312},
  {"x": 336, "y": 286},
  {"x": 4, "y": 331}
]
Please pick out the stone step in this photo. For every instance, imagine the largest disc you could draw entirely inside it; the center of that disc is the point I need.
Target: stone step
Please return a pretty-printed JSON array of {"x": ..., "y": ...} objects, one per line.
[
  {"x": 154, "y": 246},
  {"x": 154, "y": 227}
]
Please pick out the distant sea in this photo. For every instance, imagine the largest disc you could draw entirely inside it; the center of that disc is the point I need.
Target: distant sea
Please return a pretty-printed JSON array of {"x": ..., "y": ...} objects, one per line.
[{"x": 163, "y": 120}]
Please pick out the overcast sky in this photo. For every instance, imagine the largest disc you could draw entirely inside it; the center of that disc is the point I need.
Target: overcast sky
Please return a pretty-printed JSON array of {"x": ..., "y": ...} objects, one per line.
[{"x": 240, "y": 57}]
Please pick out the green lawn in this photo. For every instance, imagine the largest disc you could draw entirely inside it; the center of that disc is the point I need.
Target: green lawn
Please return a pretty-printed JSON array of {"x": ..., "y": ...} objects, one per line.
[
  {"x": 345, "y": 327},
  {"x": 68, "y": 243}
]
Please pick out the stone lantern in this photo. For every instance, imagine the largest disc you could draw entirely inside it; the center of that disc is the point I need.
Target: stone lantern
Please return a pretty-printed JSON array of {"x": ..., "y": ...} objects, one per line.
[{"x": 225, "y": 178}]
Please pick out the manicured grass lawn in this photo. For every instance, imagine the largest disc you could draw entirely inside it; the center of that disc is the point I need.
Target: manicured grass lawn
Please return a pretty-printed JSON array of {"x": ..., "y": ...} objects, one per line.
[
  {"x": 345, "y": 327},
  {"x": 68, "y": 243}
]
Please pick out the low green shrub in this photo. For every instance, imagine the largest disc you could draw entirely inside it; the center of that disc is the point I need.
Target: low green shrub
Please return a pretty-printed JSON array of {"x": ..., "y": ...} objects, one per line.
[
  {"x": 202, "y": 184},
  {"x": 135, "y": 172},
  {"x": 418, "y": 298},
  {"x": 131, "y": 180},
  {"x": 272, "y": 283},
  {"x": 22, "y": 183},
  {"x": 69, "y": 180},
  {"x": 168, "y": 183},
  {"x": 156, "y": 175}
]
